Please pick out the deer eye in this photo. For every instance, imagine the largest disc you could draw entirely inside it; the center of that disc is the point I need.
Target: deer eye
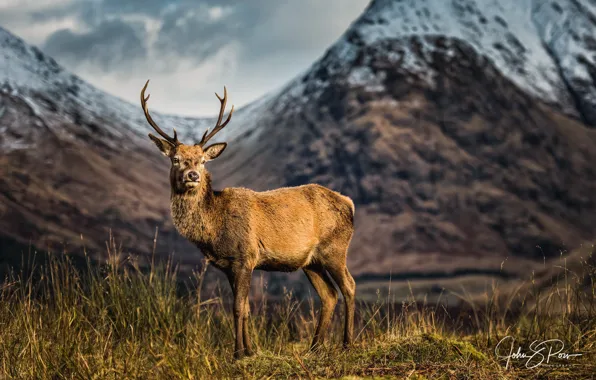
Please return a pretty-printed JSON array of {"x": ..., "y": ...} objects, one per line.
[{"x": 176, "y": 160}]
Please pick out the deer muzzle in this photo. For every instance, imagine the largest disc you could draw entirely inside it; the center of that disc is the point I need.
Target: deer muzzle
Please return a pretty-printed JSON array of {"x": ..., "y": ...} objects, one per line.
[{"x": 191, "y": 178}]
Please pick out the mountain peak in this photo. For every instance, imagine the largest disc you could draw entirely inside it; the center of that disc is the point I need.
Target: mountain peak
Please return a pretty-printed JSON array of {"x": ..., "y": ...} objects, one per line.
[
  {"x": 545, "y": 48},
  {"x": 25, "y": 66}
]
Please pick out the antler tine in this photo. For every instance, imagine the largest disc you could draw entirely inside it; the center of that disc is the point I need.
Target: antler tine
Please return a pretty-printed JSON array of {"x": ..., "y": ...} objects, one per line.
[
  {"x": 203, "y": 138},
  {"x": 218, "y": 127},
  {"x": 172, "y": 140},
  {"x": 223, "y": 104}
]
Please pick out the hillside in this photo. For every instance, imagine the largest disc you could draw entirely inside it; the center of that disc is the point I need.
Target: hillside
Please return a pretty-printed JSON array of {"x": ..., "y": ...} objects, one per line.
[
  {"x": 457, "y": 157},
  {"x": 463, "y": 130},
  {"x": 76, "y": 162}
]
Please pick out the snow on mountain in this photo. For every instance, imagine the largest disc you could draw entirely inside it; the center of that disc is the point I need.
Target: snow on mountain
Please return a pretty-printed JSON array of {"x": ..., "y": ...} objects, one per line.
[
  {"x": 547, "y": 48},
  {"x": 568, "y": 29}
]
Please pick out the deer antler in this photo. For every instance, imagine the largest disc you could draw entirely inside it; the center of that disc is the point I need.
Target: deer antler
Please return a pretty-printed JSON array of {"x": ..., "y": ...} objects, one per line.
[
  {"x": 172, "y": 140},
  {"x": 218, "y": 126}
]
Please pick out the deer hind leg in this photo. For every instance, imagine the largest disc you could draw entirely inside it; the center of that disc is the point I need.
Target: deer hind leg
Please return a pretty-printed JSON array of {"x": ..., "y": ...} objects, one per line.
[
  {"x": 324, "y": 287},
  {"x": 347, "y": 286},
  {"x": 239, "y": 278}
]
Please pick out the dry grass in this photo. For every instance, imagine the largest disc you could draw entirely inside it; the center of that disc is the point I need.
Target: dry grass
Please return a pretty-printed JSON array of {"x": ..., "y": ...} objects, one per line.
[{"x": 118, "y": 321}]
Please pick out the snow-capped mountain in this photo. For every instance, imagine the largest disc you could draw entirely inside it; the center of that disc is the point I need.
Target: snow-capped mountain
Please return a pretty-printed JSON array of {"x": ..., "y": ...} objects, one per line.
[
  {"x": 460, "y": 128},
  {"x": 547, "y": 48},
  {"x": 463, "y": 130}
]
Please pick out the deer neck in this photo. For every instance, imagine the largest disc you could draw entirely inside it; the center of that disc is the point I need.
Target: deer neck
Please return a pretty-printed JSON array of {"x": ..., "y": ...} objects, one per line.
[{"x": 193, "y": 213}]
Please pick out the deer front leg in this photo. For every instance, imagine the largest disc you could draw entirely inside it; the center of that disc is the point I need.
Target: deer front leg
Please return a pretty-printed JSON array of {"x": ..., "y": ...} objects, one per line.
[{"x": 239, "y": 278}]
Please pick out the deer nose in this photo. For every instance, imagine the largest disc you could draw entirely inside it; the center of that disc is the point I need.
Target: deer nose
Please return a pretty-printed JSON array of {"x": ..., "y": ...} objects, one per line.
[{"x": 193, "y": 176}]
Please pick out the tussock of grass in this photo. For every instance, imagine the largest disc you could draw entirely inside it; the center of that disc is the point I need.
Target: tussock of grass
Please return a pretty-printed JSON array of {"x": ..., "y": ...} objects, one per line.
[{"x": 117, "y": 321}]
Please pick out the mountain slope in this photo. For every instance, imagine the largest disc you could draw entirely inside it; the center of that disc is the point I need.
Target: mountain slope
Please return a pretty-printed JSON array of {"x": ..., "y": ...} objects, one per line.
[
  {"x": 76, "y": 161},
  {"x": 456, "y": 157},
  {"x": 72, "y": 162}
]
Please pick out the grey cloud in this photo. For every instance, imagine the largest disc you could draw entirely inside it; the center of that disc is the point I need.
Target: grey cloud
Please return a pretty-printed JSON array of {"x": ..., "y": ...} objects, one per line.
[
  {"x": 58, "y": 12},
  {"x": 261, "y": 28},
  {"x": 186, "y": 29},
  {"x": 111, "y": 45},
  {"x": 157, "y": 7},
  {"x": 147, "y": 7},
  {"x": 94, "y": 12},
  {"x": 116, "y": 40},
  {"x": 192, "y": 33}
]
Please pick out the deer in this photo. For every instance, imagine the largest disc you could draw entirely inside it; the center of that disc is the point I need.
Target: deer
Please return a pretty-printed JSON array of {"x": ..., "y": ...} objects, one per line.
[{"x": 239, "y": 230}]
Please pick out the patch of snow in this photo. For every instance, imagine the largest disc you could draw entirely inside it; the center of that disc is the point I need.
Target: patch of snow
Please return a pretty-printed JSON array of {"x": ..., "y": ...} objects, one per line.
[
  {"x": 363, "y": 76},
  {"x": 33, "y": 105},
  {"x": 343, "y": 51},
  {"x": 12, "y": 145}
]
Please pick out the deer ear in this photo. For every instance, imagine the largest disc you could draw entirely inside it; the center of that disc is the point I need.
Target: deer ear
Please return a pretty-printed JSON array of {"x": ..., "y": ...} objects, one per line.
[
  {"x": 214, "y": 150},
  {"x": 164, "y": 146}
]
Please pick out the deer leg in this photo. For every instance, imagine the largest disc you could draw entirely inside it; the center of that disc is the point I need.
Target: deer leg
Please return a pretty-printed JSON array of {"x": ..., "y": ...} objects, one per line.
[
  {"x": 347, "y": 286},
  {"x": 323, "y": 285},
  {"x": 240, "y": 281},
  {"x": 246, "y": 336}
]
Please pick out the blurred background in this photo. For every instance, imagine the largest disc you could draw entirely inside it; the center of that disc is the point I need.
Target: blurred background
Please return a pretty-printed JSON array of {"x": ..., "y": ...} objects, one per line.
[{"x": 464, "y": 130}]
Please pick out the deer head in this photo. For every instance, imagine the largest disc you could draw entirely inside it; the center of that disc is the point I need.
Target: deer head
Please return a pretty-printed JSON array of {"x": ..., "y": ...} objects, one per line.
[{"x": 188, "y": 161}]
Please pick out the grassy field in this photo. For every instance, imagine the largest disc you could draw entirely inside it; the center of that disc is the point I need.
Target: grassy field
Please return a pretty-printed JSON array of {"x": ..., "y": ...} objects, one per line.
[{"x": 118, "y": 321}]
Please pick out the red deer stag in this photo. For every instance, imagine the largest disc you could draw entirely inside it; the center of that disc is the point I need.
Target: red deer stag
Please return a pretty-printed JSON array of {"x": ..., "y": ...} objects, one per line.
[{"x": 240, "y": 230}]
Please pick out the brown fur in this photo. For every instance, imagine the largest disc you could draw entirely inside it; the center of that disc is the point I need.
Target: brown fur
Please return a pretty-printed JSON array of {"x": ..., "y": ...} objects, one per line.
[{"x": 307, "y": 227}]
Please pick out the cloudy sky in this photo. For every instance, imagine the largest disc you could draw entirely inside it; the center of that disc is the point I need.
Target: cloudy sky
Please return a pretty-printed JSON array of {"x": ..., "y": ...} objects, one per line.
[{"x": 188, "y": 48}]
